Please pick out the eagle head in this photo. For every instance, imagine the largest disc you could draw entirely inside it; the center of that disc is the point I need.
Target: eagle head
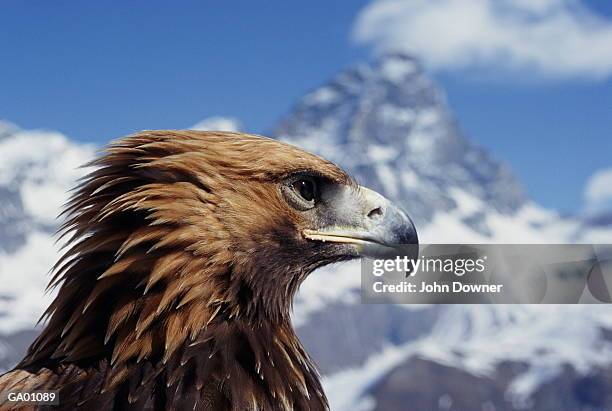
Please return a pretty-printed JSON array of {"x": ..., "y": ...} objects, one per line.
[
  {"x": 184, "y": 252},
  {"x": 268, "y": 212}
]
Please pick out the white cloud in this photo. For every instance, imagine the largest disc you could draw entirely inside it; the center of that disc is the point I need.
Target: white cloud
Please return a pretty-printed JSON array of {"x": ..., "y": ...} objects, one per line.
[
  {"x": 598, "y": 191},
  {"x": 218, "y": 124},
  {"x": 556, "y": 38}
]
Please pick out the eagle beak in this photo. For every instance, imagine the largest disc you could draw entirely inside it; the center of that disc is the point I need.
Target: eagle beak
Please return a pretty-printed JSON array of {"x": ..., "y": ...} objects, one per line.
[{"x": 370, "y": 224}]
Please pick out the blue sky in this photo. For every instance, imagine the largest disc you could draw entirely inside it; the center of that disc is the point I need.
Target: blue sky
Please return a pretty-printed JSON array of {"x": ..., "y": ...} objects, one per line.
[{"x": 99, "y": 70}]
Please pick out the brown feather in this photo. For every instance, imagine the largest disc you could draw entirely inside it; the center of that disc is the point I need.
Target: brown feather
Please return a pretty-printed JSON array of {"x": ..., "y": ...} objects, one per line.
[{"x": 163, "y": 299}]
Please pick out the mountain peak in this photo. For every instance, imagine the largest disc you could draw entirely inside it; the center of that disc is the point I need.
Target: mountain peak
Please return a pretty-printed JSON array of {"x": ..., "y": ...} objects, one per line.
[
  {"x": 389, "y": 124},
  {"x": 397, "y": 67}
]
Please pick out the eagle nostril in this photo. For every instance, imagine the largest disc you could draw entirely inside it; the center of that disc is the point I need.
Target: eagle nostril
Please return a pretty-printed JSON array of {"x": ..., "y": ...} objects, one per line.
[{"x": 376, "y": 212}]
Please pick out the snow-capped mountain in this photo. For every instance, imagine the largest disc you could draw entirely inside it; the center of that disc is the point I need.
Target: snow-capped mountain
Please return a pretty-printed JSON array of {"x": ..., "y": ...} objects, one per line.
[
  {"x": 389, "y": 125},
  {"x": 38, "y": 167}
]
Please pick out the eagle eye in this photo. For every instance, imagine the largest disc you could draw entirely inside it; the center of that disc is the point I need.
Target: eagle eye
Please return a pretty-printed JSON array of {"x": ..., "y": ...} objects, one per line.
[
  {"x": 305, "y": 188},
  {"x": 301, "y": 192}
]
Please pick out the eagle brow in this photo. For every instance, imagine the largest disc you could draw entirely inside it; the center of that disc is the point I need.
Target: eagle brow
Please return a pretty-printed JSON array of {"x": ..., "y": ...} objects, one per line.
[{"x": 317, "y": 174}]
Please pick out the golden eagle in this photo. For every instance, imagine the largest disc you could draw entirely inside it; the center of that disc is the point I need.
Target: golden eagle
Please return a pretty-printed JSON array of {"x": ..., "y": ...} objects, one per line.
[{"x": 184, "y": 252}]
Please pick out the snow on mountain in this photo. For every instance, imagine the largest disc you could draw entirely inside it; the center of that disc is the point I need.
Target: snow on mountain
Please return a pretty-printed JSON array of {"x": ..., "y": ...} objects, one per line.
[
  {"x": 549, "y": 337},
  {"x": 36, "y": 170},
  {"x": 537, "y": 346}
]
